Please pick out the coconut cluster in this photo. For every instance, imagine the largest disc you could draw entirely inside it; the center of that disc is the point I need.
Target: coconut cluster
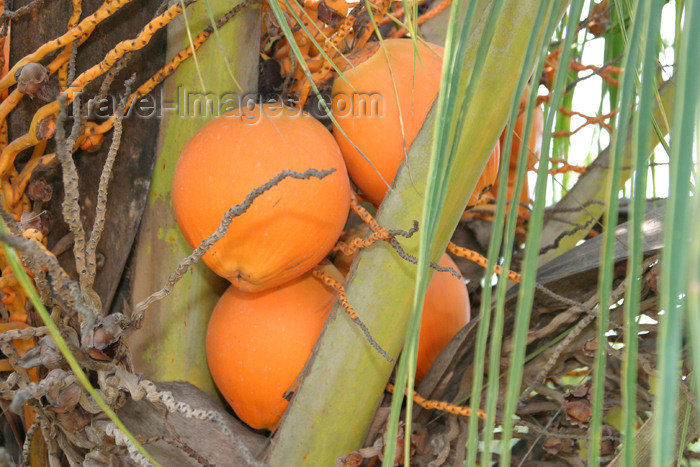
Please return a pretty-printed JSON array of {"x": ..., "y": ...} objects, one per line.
[{"x": 264, "y": 327}]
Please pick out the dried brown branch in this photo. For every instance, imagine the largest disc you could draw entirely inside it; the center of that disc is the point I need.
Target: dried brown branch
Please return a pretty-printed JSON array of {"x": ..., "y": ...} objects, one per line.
[
  {"x": 71, "y": 200},
  {"x": 18, "y": 13},
  {"x": 88, "y": 279}
]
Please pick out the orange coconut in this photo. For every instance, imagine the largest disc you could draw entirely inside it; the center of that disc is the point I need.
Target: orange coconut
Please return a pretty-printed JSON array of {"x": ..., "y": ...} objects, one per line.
[
  {"x": 446, "y": 310},
  {"x": 257, "y": 344},
  {"x": 380, "y": 105},
  {"x": 533, "y": 155},
  {"x": 488, "y": 177},
  {"x": 289, "y": 228}
]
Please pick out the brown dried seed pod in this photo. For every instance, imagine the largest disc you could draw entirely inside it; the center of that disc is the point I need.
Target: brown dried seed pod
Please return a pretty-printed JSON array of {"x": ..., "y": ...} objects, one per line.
[
  {"x": 578, "y": 412},
  {"x": 30, "y": 220},
  {"x": 64, "y": 400},
  {"x": 353, "y": 459},
  {"x": 608, "y": 447},
  {"x": 556, "y": 446},
  {"x": 51, "y": 357},
  {"x": 580, "y": 392},
  {"x": 33, "y": 80},
  {"x": 61, "y": 395},
  {"x": 332, "y": 12},
  {"x": 102, "y": 340},
  {"x": 73, "y": 420},
  {"x": 39, "y": 190}
]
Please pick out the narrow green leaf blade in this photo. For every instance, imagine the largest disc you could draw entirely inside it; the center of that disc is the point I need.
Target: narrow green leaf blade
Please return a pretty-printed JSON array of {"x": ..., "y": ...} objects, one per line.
[
  {"x": 527, "y": 287},
  {"x": 651, "y": 14},
  {"x": 677, "y": 233}
]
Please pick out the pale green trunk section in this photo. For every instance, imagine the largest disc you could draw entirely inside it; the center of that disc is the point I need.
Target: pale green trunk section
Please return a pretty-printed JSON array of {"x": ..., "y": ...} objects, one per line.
[
  {"x": 343, "y": 384},
  {"x": 592, "y": 186},
  {"x": 170, "y": 346}
]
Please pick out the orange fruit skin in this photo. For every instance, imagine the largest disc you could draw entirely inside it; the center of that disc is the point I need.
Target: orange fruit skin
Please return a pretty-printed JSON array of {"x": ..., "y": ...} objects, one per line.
[
  {"x": 289, "y": 228},
  {"x": 378, "y": 133},
  {"x": 257, "y": 344},
  {"x": 446, "y": 310},
  {"x": 533, "y": 155},
  {"x": 535, "y": 140},
  {"x": 488, "y": 177}
]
